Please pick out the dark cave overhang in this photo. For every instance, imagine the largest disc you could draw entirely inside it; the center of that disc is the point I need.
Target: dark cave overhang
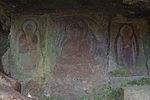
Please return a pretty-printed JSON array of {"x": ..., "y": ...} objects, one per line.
[{"x": 127, "y": 8}]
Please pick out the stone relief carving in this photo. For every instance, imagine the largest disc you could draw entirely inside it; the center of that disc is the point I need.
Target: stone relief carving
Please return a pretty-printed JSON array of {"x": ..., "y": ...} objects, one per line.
[
  {"x": 28, "y": 44},
  {"x": 77, "y": 43},
  {"x": 29, "y": 36},
  {"x": 126, "y": 46}
]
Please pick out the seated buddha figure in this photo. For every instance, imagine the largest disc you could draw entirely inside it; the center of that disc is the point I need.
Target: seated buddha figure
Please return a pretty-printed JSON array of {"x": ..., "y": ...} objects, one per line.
[
  {"x": 76, "y": 58},
  {"x": 76, "y": 43}
]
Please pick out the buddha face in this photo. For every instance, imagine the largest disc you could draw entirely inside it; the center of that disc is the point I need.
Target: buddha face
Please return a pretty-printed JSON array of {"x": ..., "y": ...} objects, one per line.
[
  {"x": 126, "y": 31},
  {"x": 75, "y": 32},
  {"x": 28, "y": 29}
]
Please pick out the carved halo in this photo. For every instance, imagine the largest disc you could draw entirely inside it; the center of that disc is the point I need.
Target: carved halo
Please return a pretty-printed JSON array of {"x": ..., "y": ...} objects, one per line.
[
  {"x": 29, "y": 23},
  {"x": 126, "y": 28}
]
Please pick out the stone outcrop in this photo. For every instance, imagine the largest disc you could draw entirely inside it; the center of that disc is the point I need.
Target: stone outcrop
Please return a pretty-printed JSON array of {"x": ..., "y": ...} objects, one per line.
[
  {"x": 10, "y": 89},
  {"x": 7, "y": 93},
  {"x": 73, "y": 52},
  {"x": 9, "y": 82},
  {"x": 68, "y": 50},
  {"x": 137, "y": 93}
]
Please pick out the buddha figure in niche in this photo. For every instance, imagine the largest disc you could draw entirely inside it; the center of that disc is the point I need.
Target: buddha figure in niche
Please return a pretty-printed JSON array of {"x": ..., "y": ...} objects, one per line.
[
  {"x": 28, "y": 38},
  {"x": 28, "y": 45},
  {"x": 76, "y": 56},
  {"x": 126, "y": 48}
]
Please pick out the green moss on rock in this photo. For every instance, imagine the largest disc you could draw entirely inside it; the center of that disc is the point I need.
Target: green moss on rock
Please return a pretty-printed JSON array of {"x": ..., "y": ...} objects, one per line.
[
  {"x": 119, "y": 72},
  {"x": 143, "y": 81}
]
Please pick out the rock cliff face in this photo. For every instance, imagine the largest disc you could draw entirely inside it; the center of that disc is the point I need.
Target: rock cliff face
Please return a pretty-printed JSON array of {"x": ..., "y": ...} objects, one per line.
[
  {"x": 73, "y": 52},
  {"x": 68, "y": 50}
]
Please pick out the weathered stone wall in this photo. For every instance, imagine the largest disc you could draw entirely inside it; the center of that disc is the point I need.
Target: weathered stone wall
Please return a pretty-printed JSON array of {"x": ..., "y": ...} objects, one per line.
[
  {"x": 67, "y": 52},
  {"x": 71, "y": 53}
]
